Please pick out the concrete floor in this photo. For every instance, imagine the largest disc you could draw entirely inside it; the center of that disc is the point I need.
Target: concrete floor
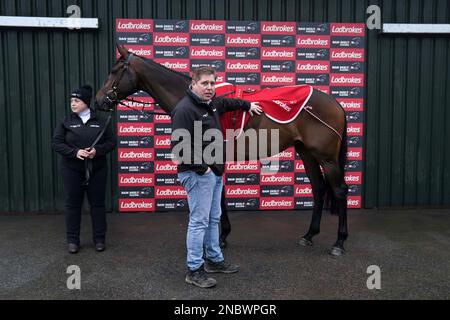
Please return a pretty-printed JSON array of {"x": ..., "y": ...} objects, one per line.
[{"x": 145, "y": 257}]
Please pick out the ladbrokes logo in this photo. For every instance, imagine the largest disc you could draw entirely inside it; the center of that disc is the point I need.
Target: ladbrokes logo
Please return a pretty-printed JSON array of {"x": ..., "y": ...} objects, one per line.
[
  {"x": 313, "y": 41},
  {"x": 299, "y": 166},
  {"x": 135, "y": 129},
  {"x": 165, "y": 167},
  {"x": 171, "y": 39},
  {"x": 278, "y": 27},
  {"x": 170, "y": 192},
  {"x": 354, "y": 202},
  {"x": 136, "y": 104},
  {"x": 243, "y": 65},
  {"x": 199, "y": 26},
  {"x": 306, "y": 66},
  {"x": 134, "y": 25},
  {"x": 161, "y": 118},
  {"x": 278, "y": 53},
  {"x": 347, "y": 54},
  {"x": 354, "y": 154},
  {"x": 135, "y": 180},
  {"x": 207, "y": 52},
  {"x": 354, "y": 129},
  {"x": 238, "y": 40},
  {"x": 351, "y": 104},
  {"x": 242, "y": 167},
  {"x": 283, "y": 179},
  {"x": 136, "y": 204},
  {"x": 353, "y": 177},
  {"x": 303, "y": 191},
  {"x": 162, "y": 141},
  {"x": 283, "y": 155},
  {"x": 135, "y": 154},
  {"x": 339, "y": 29},
  {"x": 349, "y": 79},
  {"x": 143, "y": 51},
  {"x": 277, "y": 79},
  {"x": 279, "y": 203},
  {"x": 238, "y": 192}
]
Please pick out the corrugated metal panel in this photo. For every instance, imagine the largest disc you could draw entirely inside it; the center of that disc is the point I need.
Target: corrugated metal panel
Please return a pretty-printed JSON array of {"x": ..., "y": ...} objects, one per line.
[{"x": 406, "y": 99}]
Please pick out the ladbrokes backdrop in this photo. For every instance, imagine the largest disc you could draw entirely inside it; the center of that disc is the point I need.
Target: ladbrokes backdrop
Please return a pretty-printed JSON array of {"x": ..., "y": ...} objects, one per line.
[{"x": 328, "y": 56}]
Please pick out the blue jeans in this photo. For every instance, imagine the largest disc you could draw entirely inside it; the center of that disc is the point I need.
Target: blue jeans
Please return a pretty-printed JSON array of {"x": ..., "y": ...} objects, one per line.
[{"x": 203, "y": 194}]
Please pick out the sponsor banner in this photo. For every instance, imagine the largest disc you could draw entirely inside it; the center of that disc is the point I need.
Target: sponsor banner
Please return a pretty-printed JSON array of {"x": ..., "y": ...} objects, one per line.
[
  {"x": 286, "y": 178},
  {"x": 353, "y": 177},
  {"x": 283, "y": 54},
  {"x": 347, "y": 42},
  {"x": 283, "y": 28},
  {"x": 242, "y": 53},
  {"x": 278, "y": 166},
  {"x": 246, "y": 27},
  {"x": 280, "y": 203},
  {"x": 162, "y": 128},
  {"x": 134, "y": 116},
  {"x": 354, "y": 116},
  {"x": 134, "y": 25},
  {"x": 277, "y": 66},
  {"x": 162, "y": 142},
  {"x": 218, "y": 65},
  {"x": 243, "y": 78},
  {"x": 242, "y": 178},
  {"x": 242, "y": 167},
  {"x": 136, "y": 179},
  {"x": 136, "y": 142},
  {"x": 304, "y": 203},
  {"x": 177, "y": 26},
  {"x": 308, "y": 66},
  {"x": 347, "y": 92},
  {"x": 354, "y": 189},
  {"x": 354, "y": 129},
  {"x": 140, "y": 50},
  {"x": 161, "y": 118},
  {"x": 211, "y": 26},
  {"x": 136, "y": 205},
  {"x": 135, "y": 154},
  {"x": 347, "y": 79},
  {"x": 277, "y": 191},
  {"x": 207, "y": 52},
  {"x": 350, "y": 105},
  {"x": 166, "y": 180},
  {"x": 179, "y": 65},
  {"x": 347, "y": 66},
  {"x": 136, "y": 167},
  {"x": 299, "y": 166},
  {"x": 236, "y": 191},
  {"x": 346, "y": 54},
  {"x": 242, "y": 203},
  {"x": 207, "y": 40},
  {"x": 353, "y": 202},
  {"x": 242, "y": 66},
  {"x": 303, "y": 190},
  {"x": 133, "y": 38},
  {"x": 169, "y": 192},
  {"x": 277, "y": 79},
  {"x": 171, "y": 39},
  {"x": 277, "y": 41},
  {"x": 171, "y": 204},
  {"x": 301, "y": 178},
  {"x": 136, "y": 104},
  {"x": 288, "y": 154},
  {"x": 165, "y": 167},
  {"x": 355, "y": 141},
  {"x": 313, "y": 28},
  {"x": 325, "y": 89},
  {"x": 312, "y": 54},
  {"x": 243, "y": 40},
  {"x": 163, "y": 155},
  {"x": 310, "y": 41},
  {"x": 136, "y": 192},
  {"x": 171, "y": 52},
  {"x": 135, "y": 129},
  {"x": 347, "y": 29},
  {"x": 312, "y": 79},
  {"x": 220, "y": 77},
  {"x": 354, "y": 154},
  {"x": 353, "y": 165}
]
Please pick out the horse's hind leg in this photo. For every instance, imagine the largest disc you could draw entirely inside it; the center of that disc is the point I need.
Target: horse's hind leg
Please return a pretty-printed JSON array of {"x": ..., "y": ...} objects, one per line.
[
  {"x": 318, "y": 188},
  {"x": 335, "y": 178},
  {"x": 225, "y": 225}
]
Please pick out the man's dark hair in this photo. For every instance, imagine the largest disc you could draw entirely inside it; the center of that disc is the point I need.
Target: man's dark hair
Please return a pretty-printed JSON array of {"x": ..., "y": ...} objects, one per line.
[{"x": 198, "y": 72}]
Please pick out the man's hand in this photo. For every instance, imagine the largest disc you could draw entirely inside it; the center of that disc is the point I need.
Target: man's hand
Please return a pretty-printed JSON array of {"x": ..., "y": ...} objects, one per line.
[{"x": 254, "y": 107}]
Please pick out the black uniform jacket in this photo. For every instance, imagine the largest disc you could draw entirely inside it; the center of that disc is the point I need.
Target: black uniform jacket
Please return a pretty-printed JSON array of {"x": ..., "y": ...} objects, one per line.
[
  {"x": 71, "y": 134},
  {"x": 190, "y": 109}
]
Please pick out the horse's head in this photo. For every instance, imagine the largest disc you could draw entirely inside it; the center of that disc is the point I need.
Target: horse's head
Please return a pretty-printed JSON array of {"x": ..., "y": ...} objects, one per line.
[{"x": 122, "y": 81}]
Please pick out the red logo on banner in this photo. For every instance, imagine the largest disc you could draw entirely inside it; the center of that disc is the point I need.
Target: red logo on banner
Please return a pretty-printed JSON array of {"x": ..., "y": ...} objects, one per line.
[
  {"x": 269, "y": 27},
  {"x": 135, "y": 154},
  {"x": 137, "y": 204},
  {"x": 163, "y": 192},
  {"x": 180, "y": 65},
  {"x": 135, "y": 129},
  {"x": 324, "y": 89},
  {"x": 308, "y": 41},
  {"x": 354, "y": 202},
  {"x": 243, "y": 40},
  {"x": 242, "y": 191},
  {"x": 277, "y": 53},
  {"x": 136, "y": 179},
  {"x": 162, "y": 118},
  {"x": 347, "y": 54},
  {"x": 201, "y": 26},
  {"x": 134, "y": 25},
  {"x": 285, "y": 178},
  {"x": 162, "y": 142},
  {"x": 207, "y": 52},
  {"x": 353, "y": 177},
  {"x": 278, "y": 79},
  {"x": 347, "y": 29},
  {"x": 354, "y": 154},
  {"x": 311, "y": 66},
  {"x": 354, "y": 129},
  {"x": 346, "y": 79},
  {"x": 299, "y": 166},
  {"x": 242, "y": 66},
  {"x": 171, "y": 39},
  {"x": 288, "y": 154},
  {"x": 303, "y": 190},
  {"x": 165, "y": 167},
  {"x": 136, "y": 104},
  {"x": 143, "y": 51},
  {"x": 242, "y": 167},
  {"x": 277, "y": 203},
  {"x": 351, "y": 104}
]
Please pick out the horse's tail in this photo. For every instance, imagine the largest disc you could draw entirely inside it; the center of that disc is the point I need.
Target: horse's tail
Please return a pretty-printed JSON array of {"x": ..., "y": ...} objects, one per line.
[{"x": 331, "y": 201}]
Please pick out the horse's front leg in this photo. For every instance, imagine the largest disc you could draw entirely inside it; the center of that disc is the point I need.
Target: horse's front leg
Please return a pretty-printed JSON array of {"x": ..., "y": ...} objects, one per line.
[{"x": 225, "y": 225}]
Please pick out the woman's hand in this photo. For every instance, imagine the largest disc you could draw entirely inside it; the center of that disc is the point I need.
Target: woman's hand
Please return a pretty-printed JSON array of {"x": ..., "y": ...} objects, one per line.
[
  {"x": 82, "y": 154},
  {"x": 92, "y": 152},
  {"x": 254, "y": 107}
]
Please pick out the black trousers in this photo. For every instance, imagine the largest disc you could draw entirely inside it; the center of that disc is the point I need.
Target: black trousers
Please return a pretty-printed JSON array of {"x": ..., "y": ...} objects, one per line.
[{"x": 75, "y": 191}]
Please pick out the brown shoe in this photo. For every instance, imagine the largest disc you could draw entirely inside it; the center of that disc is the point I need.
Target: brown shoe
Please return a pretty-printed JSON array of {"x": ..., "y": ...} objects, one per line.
[{"x": 73, "y": 248}]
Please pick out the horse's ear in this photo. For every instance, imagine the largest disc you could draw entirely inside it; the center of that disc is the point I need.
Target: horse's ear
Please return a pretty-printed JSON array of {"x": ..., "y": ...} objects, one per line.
[{"x": 122, "y": 50}]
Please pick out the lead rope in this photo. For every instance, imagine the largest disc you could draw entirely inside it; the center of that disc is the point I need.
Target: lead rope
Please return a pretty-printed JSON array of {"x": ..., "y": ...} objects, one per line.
[{"x": 308, "y": 108}]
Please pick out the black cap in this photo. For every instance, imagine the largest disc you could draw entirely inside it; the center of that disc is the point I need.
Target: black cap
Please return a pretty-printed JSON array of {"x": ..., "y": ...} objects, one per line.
[{"x": 84, "y": 93}]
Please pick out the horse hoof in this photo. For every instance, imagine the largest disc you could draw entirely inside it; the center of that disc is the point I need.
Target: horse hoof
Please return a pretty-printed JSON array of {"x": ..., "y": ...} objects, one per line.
[
  {"x": 223, "y": 244},
  {"x": 337, "y": 252},
  {"x": 305, "y": 243}
]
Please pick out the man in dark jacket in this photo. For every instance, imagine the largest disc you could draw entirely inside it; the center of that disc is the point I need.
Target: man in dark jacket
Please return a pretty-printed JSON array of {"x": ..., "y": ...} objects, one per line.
[
  {"x": 195, "y": 114},
  {"x": 72, "y": 139}
]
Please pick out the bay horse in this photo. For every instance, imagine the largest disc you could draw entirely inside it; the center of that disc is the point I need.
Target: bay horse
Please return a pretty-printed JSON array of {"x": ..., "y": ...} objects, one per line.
[{"x": 318, "y": 136}]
